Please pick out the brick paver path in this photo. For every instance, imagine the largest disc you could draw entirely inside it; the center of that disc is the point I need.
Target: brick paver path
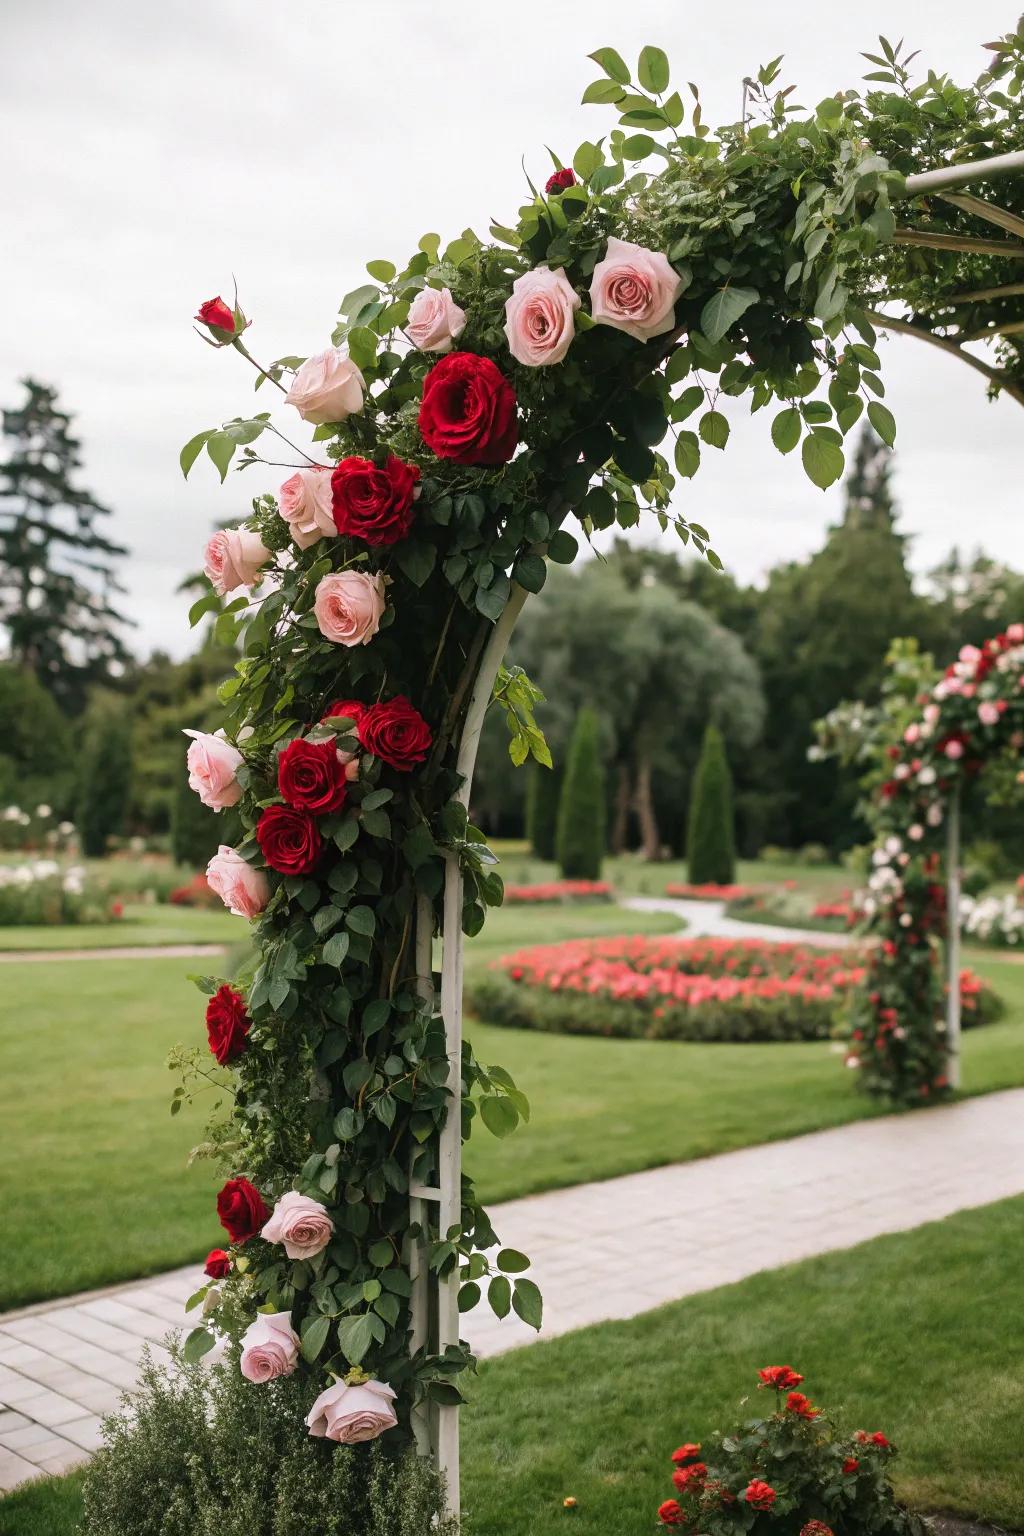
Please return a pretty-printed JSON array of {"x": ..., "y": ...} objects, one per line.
[{"x": 708, "y": 1223}]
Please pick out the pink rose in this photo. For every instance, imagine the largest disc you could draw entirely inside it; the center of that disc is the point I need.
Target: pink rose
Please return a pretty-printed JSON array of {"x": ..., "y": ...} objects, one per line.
[
  {"x": 435, "y": 320},
  {"x": 270, "y": 1347},
  {"x": 233, "y": 558},
  {"x": 916, "y": 832},
  {"x": 539, "y": 317},
  {"x": 954, "y": 749},
  {"x": 1015, "y": 633},
  {"x": 353, "y": 1414},
  {"x": 635, "y": 290},
  {"x": 989, "y": 713},
  {"x": 304, "y": 502},
  {"x": 302, "y": 1225},
  {"x": 212, "y": 763},
  {"x": 242, "y": 889},
  {"x": 911, "y": 734},
  {"x": 328, "y": 387},
  {"x": 932, "y": 714},
  {"x": 348, "y": 607}
]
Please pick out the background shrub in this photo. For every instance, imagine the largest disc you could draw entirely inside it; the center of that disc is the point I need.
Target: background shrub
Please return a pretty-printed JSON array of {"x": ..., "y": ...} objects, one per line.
[
  {"x": 581, "y": 805},
  {"x": 710, "y": 841},
  {"x": 543, "y": 787},
  {"x": 105, "y": 781}
]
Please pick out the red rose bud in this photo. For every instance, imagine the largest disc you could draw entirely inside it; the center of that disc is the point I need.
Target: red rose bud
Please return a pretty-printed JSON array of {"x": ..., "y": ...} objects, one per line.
[
  {"x": 469, "y": 411},
  {"x": 816, "y": 1528},
  {"x": 682, "y": 1477},
  {"x": 289, "y": 839},
  {"x": 372, "y": 503},
  {"x": 670, "y": 1513},
  {"x": 311, "y": 777},
  {"x": 560, "y": 180},
  {"x": 850, "y": 1465},
  {"x": 241, "y": 1211},
  {"x": 217, "y": 1265},
  {"x": 781, "y": 1377},
  {"x": 759, "y": 1495},
  {"x": 802, "y": 1406},
  {"x": 687, "y": 1452},
  {"x": 217, "y": 315},
  {"x": 227, "y": 1024},
  {"x": 351, "y": 709},
  {"x": 396, "y": 732}
]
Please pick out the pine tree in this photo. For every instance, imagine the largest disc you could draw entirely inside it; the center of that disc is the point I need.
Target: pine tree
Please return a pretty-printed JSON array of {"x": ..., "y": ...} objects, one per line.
[
  {"x": 56, "y": 567},
  {"x": 543, "y": 787},
  {"x": 710, "y": 844},
  {"x": 581, "y": 806},
  {"x": 105, "y": 783}
]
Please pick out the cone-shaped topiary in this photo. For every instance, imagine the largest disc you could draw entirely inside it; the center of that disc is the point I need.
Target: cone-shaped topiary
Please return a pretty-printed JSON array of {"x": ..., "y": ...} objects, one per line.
[
  {"x": 543, "y": 787},
  {"x": 106, "y": 775},
  {"x": 581, "y": 805},
  {"x": 710, "y": 841}
]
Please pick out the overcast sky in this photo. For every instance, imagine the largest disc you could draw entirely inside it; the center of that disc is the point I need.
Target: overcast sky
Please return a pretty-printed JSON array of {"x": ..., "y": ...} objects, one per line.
[{"x": 152, "y": 151}]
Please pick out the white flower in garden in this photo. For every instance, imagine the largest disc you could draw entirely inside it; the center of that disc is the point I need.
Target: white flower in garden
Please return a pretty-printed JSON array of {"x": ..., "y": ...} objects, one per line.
[
  {"x": 916, "y": 832},
  {"x": 65, "y": 828},
  {"x": 934, "y": 814},
  {"x": 893, "y": 846},
  {"x": 43, "y": 812},
  {"x": 926, "y": 775},
  {"x": 12, "y": 813}
]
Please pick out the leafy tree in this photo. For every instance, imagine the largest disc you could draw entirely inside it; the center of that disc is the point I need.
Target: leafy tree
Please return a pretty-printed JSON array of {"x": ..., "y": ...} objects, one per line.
[
  {"x": 36, "y": 762},
  {"x": 56, "y": 567},
  {"x": 106, "y": 774},
  {"x": 543, "y": 788},
  {"x": 710, "y": 842},
  {"x": 581, "y": 807}
]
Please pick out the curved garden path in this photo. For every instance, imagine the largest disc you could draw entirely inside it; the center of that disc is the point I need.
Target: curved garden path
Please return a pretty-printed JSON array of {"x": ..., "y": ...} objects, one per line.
[{"x": 709, "y": 919}]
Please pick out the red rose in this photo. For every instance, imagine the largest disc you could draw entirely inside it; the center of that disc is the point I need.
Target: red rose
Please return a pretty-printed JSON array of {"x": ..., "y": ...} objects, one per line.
[
  {"x": 468, "y": 411},
  {"x": 850, "y": 1465},
  {"x": 797, "y": 1403},
  {"x": 240, "y": 1210},
  {"x": 670, "y": 1513},
  {"x": 782, "y": 1377},
  {"x": 352, "y": 709},
  {"x": 396, "y": 732},
  {"x": 289, "y": 839},
  {"x": 685, "y": 1452},
  {"x": 216, "y": 313},
  {"x": 759, "y": 1495},
  {"x": 560, "y": 180},
  {"x": 227, "y": 1024},
  {"x": 310, "y": 776},
  {"x": 217, "y": 1264},
  {"x": 682, "y": 1477},
  {"x": 371, "y": 503},
  {"x": 863, "y": 1438},
  {"x": 816, "y": 1528}
]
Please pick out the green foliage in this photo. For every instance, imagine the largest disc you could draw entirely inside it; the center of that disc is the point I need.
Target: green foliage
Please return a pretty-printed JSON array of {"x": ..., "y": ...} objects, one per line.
[
  {"x": 543, "y": 790},
  {"x": 105, "y": 774},
  {"x": 580, "y": 830},
  {"x": 57, "y": 582},
  {"x": 35, "y": 748},
  {"x": 196, "y": 831},
  {"x": 205, "y": 1451},
  {"x": 710, "y": 843}
]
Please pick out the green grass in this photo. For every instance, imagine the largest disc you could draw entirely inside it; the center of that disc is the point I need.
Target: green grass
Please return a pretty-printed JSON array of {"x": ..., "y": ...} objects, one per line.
[
  {"x": 630, "y": 874},
  {"x": 914, "y": 1334},
  {"x": 156, "y": 925}
]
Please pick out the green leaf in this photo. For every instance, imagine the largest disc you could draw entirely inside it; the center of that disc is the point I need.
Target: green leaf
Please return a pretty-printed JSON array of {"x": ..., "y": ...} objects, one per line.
[
  {"x": 714, "y": 429},
  {"x": 512, "y": 1262},
  {"x": 499, "y": 1295},
  {"x": 416, "y": 560},
  {"x": 335, "y": 949},
  {"x": 612, "y": 63},
  {"x": 823, "y": 460},
  {"x": 653, "y": 70},
  {"x": 314, "y": 1336},
  {"x": 723, "y": 309},
  {"x": 191, "y": 451},
  {"x": 361, "y": 920},
  {"x": 687, "y": 454},
  {"x": 355, "y": 1336},
  {"x": 469, "y": 1295},
  {"x": 527, "y": 1303},
  {"x": 208, "y": 603},
  {"x": 221, "y": 448},
  {"x": 530, "y": 572},
  {"x": 199, "y": 1342},
  {"x": 499, "y": 1115},
  {"x": 603, "y": 92},
  {"x": 562, "y": 548},
  {"x": 883, "y": 421},
  {"x": 383, "y": 271},
  {"x": 490, "y": 601},
  {"x": 586, "y": 160},
  {"x": 786, "y": 429}
]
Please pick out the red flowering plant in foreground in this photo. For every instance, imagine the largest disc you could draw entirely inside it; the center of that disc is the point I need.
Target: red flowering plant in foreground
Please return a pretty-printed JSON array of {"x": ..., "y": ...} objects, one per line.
[{"x": 786, "y": 1471}]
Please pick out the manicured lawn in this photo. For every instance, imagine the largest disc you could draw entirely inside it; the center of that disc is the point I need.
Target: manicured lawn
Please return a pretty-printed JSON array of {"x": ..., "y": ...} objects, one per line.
[
  {"x": 630, "y": 874},
  {"x": 914, "y": 1334},
  {"x": 160, "y": 924}
]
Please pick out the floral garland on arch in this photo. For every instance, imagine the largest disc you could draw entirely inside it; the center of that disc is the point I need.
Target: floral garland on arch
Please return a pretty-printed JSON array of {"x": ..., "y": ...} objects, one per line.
[
  {"x": 471, "y": 402},
  {"x": 926, "y": 745}
]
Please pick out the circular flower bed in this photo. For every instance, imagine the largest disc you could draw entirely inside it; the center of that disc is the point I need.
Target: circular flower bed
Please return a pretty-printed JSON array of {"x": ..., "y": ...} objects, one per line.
[
  {"x": 563, "y": 891},
  {"x": 683, "y": 989}
]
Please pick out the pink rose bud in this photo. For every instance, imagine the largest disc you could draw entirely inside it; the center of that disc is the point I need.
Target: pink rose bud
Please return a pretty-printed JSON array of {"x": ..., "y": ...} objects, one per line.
[
  {"x": 348, "y": 607},
  {"x": 233, "y": 558},
  {"x": 212, "y": 764},
  {"x": 635, "y": 290},
  {"x": 304, "y": 501},
  {"x": 301, "y": 1224},
  {"x": 435, "y": 320},
  {"x": 270, "y": 1347},
  {"x": 989, "y": 713},
  {"x": 242, "y": 889},
  {"x": 539, "y": 317},
  {"x": 328, "y": 387},
  {"x": 351, "y": 1415}
]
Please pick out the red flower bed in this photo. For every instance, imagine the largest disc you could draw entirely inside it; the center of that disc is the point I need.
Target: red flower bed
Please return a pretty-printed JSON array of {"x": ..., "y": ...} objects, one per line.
[
  {"x": 557, "y": 891},
  {"x": 196, "y": 893},
  {"x": 710, "y": 892}
]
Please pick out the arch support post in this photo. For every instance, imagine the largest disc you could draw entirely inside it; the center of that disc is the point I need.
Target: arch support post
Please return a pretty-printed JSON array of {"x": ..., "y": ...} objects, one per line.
[{"x": 953, "y": 1071}]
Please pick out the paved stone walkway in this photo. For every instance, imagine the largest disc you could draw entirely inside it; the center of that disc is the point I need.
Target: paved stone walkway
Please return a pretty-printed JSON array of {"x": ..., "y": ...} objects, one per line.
[
  {"x": 708, "y": 918},
  {"x": 123, "y": 952},
  {"x": 648, "y": 1238}
]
